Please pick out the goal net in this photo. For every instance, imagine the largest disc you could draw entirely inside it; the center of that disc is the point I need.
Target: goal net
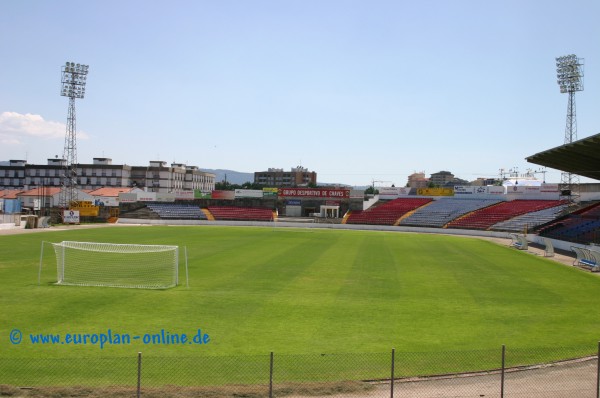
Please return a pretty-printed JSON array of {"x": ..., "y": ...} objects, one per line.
[{"x": 116, "y": 265}]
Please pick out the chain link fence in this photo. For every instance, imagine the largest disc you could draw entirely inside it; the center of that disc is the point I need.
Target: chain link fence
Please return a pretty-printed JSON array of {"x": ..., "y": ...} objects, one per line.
[{"x": 543, "y": 372}]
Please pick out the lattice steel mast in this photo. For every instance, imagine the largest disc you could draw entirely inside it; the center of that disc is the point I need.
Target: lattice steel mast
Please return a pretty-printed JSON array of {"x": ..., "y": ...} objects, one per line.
[
  {"x": 569, "y": 70},
  {"x": 73, "y": 86}
]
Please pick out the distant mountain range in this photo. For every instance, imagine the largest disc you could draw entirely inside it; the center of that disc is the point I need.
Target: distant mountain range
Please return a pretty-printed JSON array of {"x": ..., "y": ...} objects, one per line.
[{"x": 232, "y": 177}]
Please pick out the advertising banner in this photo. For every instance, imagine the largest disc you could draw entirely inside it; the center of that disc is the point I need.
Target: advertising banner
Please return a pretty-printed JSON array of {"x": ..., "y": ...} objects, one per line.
[
  {"x": 293, "y": 202},
  {"x": 314, "y": 193},
  {"x": 184, "y": 195},
  {"x": 532, "y": 190},
  {"x": 164, "y": 197},
  {"x": 435, "y": 191},
  {"x": 549, "y": 188},
  {"x": 198, "y": 194},
  {"x": 71, "y": 217},
  {"x": 146, "y": 196},
  {"x": 85, "y": 208},
  {"x": 226, "y": 195},
  {"x": 495, "y": 190},
  {"x": 91, "y": 211},
  {"x": 269, "y": 192},
  {"x": 392, "y": 192},
  {"x": 515, "y": 189},
  {"x": 523, "y": 189},
  {"x": 248, "y": 193},
  {"x": 388, "y": 192},
  {"x": 107, "y": 201},
  {"x": 126, "y": 197},
  {"x": 463, "y": 190}
]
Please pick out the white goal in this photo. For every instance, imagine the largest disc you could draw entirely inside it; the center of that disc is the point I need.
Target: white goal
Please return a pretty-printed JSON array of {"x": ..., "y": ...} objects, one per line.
[{"x": 116, "y": 265}]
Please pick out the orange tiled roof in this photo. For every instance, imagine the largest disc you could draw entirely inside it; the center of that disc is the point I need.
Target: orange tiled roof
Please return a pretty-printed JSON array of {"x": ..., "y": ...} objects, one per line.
[
  {"x": 109, "y": 191},
  {"x": 39, "y": 191},
  {"x": 9, "y": 193}
]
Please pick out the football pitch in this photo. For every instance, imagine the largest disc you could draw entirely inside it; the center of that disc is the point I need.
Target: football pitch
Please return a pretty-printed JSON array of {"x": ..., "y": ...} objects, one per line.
[{"x": 257, "y": 290}]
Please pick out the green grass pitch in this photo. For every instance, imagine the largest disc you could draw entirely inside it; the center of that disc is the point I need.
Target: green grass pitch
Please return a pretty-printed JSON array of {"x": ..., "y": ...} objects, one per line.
[{"x": 304, "y": 291}]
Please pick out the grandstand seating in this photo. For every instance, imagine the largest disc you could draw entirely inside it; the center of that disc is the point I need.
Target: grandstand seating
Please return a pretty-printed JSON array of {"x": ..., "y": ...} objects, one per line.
[
  {"x": 387, "y": 213},
  {"x": 485, "y": 218},
  {"x": 177, "y": 211},
  {"x": 442, "y": 211},
  {"x": 529, "y": 220},
  {"x": 582, "y": 226},
  {"x": 241, "y": 213}
]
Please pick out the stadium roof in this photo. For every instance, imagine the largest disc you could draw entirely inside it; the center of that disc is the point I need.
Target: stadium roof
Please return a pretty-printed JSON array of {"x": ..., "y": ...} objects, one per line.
[{"x": 581, "y": 157}]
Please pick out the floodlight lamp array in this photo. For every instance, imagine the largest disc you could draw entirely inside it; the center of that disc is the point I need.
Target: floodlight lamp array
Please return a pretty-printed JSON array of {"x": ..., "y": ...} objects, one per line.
[
  {"x": 569, "y": 72},
  {"x": 73, "y": 80}
]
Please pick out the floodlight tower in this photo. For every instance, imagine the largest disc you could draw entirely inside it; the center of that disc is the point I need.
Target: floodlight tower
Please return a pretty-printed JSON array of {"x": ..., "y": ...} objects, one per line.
[
  {"x": 73, "y": 86},
  {"x": 569, "y": 71}
]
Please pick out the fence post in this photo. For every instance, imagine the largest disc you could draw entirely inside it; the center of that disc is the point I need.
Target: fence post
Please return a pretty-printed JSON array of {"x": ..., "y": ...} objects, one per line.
[
  {"x": 598, "y": 373},
  {"x": 502, "y": 372},
  {"x": 139, "y": 375},
  {"x": 271, "y": 377},
  {"x": 392, "y": 375}
]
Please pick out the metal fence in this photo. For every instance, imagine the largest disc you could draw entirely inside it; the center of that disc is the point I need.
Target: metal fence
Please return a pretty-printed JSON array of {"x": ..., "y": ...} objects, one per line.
[{"x": 542, "y": 372}]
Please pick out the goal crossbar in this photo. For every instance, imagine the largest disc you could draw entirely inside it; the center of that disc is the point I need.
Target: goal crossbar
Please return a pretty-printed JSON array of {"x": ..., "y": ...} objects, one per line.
[{"x": 115, "y": 247}]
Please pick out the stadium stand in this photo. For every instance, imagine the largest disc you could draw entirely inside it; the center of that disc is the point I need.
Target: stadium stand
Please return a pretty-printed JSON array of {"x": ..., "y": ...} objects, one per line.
[
  {"x": 442, "y": 211},
  {"x": 241, "y": 213},
  {"x": 485, "y": 218},
  {"x": 177, "y": 211},
  {"x": 581, "y": 226},
  {"x": 529, "y": 220},
  {"x": 386, "y": 213}
]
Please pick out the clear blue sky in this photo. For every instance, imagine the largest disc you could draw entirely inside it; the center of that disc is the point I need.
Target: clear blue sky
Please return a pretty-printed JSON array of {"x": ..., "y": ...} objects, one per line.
[{"x": 354, "y": 90}]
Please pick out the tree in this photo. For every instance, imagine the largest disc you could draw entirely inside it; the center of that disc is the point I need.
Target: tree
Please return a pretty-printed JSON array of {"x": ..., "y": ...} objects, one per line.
[
  {"x": 227, "y": 186},
  {"x": 223, "y": 186}
]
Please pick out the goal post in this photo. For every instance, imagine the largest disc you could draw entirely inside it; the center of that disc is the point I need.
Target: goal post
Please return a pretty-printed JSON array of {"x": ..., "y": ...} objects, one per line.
[{"x": 116, "y": 265}]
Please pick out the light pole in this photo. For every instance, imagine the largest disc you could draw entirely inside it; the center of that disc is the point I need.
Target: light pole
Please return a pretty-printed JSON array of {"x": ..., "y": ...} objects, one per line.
[
  {"x": 569, "y": 73},
  {"x": 73, "y": 86}
]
